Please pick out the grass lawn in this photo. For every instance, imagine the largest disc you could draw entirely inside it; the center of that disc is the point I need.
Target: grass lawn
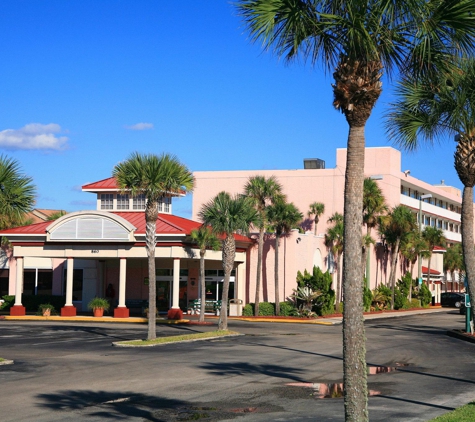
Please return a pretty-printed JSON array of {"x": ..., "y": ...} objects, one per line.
[
  {"x": 462, "y": 414},
  {"x": 177, "y": 339}
]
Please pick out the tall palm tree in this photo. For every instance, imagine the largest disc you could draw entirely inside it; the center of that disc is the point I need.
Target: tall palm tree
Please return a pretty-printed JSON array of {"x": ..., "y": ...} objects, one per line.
[
  {"x": 261, "y": 191},
  {"x": 283, "y": 217},
  {"x": 17, "y": 193},
  {"x": 436, "y": 108},
  {"x": 228, "y": 215},
  {"x": 433, "y": 237},
  {"x": 359, "y": 39},
  {"x": 411, "y": 248},
  {"x": 317, "y": 209},
  {"x": 155, "y": 177},
  {"x": 453, "y": 261},
  {"x": 396, "y": 227},
  {"x": 374, "y": 205},
  {"x": 334, "y": 240},
  {"x": 205, "y": 239}
]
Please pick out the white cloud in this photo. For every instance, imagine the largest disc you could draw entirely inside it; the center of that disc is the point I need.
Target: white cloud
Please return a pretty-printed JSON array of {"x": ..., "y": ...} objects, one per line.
[
  {"x": 140, "y": 126},
  {"x": 33, "y": 136}
]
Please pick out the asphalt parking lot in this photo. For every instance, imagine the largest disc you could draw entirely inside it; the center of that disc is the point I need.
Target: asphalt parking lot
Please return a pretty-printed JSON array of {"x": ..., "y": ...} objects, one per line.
[{"x": 66, "y": 371}]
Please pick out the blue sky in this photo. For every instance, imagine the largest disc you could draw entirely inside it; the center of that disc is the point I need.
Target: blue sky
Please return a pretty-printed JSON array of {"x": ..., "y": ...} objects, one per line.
[{"x": 84, "y": 83}]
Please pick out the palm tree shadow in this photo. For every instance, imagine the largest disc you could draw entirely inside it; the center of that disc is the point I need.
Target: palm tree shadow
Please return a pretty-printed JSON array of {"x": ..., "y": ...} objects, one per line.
[
  {"x": 110, "y": 404},
  {"x": 245, "y": 368}
]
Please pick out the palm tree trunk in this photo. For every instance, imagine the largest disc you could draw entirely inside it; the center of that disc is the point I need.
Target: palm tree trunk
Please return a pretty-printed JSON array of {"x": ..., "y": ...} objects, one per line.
[
  {"x": 151, "y": 215},
  {"x": 276, "y": 275},
  {"x": 338, "y": 282},
  {"x": 354, "y": 350},
  {"x": 202, "y": 286},
  {"x": 467, "y": 240},
  {"x": 229, "y": 252},
  {"x": 260, "y": 249},
  {"x": 392, "y": 274}
]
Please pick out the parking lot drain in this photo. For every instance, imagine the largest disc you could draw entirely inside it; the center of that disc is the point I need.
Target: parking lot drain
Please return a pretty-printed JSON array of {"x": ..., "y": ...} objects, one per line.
[{"x": 327, "y": 390}]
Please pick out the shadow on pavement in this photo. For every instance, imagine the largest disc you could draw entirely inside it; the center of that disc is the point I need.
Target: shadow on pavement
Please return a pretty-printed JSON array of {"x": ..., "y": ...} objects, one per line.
[
  {"x": 112, "y": 404},
  {"x": 245, "y": 368}
]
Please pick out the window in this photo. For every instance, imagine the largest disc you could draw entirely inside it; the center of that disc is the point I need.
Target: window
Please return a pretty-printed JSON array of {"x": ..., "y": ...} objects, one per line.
[
  {"x": 451, "y": 227},
  {"x": 446, "y": 225},
  {"x": 432, "y": 222},
  {"x": 427, "y": 220},
  {"x": 456, "y": 228},
  {"x": 166, "y": 204},
  {"x": 139, "y": 202},
  {"x": 122, "y": 202},
  {"x": 107, "y": 201},
  {"x": 37, "y": 282},
  {"x": 3, "y": 282},
  {"x": 439, "y": 224}
]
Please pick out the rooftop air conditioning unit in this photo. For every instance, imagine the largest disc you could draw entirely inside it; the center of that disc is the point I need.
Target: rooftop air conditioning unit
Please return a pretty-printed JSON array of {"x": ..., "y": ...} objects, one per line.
[{"x": 313, "y": 163}]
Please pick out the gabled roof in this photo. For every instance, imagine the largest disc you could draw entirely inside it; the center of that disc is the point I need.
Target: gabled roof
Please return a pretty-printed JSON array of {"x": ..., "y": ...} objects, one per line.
[{"x": 105, "y": 184}]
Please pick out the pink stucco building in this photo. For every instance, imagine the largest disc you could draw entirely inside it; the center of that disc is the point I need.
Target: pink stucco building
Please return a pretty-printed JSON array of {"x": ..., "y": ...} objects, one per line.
[{"x": 301, "y": 251}]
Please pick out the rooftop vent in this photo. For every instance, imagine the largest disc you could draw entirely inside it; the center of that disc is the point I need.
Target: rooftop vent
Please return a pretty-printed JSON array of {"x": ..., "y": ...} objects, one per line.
[{"x": 313, "y": 163}]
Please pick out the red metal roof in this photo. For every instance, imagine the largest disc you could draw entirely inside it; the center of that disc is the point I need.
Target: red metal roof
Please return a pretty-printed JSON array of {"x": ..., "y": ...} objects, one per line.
[
  {"x": 166, "y": 224},
  {"x": 108, "y": 183},
  {"x": 432, "y": 271}
]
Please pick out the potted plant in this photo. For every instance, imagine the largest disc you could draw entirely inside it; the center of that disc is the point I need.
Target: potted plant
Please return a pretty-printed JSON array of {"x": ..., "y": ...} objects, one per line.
[
  {"x": 98, "y": 306},
  {"x": 46, "y": 309}
]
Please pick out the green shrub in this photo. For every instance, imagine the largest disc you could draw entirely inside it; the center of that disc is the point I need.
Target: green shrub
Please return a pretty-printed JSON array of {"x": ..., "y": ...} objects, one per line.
[
  {"x": 318, "y": 281},
  {"x": 248, "y": 310},
  {"x": 98, "y": 303},
  {"x": 424, "y": 295},
  {"x": 400, "y": 300},
  {"x": 287, "y": 309},
  {"x": 367, "y": 299},
  {"x": 266, "y": 309},
  {"x": 415, "y": 303},
  {"x": 9, "y": 302}
]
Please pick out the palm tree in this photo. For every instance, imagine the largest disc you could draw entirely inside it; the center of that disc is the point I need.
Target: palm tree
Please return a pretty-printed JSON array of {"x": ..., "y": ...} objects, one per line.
[
  {"x": 316, "y": 209},
  {"x": 56, "y": 215},
  {"x": 283, "y": 217},
  {"x": 411, "y": 248},
  {"x": 465, "y": 166},
  {"x": 228, "y": 215},
  {"x": 395, "y": 228},
  {"x": 433, "y": 237},
  {"x": 374, "y": 205},
  {"x": 334, "y": 241},
  {"x": 261, "y": 191},
  {"x": 436, "y": 108},
  {"x": 17, "y": 193},
  {"x": 155, "y": 177},
  {"x": 453, "y": 261},
  {"x": 205, "y": 239},
  {"x": 358, "y": 39}
]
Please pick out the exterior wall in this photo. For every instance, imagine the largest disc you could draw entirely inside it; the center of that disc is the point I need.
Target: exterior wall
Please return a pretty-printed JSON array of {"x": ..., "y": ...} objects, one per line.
[{"x": 303, "y": 187}]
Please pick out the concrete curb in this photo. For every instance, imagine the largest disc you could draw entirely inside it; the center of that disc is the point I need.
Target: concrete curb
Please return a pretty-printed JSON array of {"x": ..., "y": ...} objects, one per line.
[
  {"x": 120, "y": 344},
  {"x": 135, "y": 320},
  {"x": 461, "y": 335}
]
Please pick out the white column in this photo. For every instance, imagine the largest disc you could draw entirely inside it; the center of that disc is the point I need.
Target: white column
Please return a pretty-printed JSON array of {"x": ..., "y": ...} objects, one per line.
[
  {"x": 69, "y": 283},
  {"x": 176, "y": 283},
  {"x": 19, "y": 281},
  {"x": 123, "y": 266}
]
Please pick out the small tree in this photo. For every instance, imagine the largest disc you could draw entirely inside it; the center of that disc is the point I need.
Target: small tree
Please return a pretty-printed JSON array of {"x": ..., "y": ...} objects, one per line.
[
  {"x": 316, "y": 209},
  {"x": 227, "y": 215},
  {"x": 204, "y": 239}
]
